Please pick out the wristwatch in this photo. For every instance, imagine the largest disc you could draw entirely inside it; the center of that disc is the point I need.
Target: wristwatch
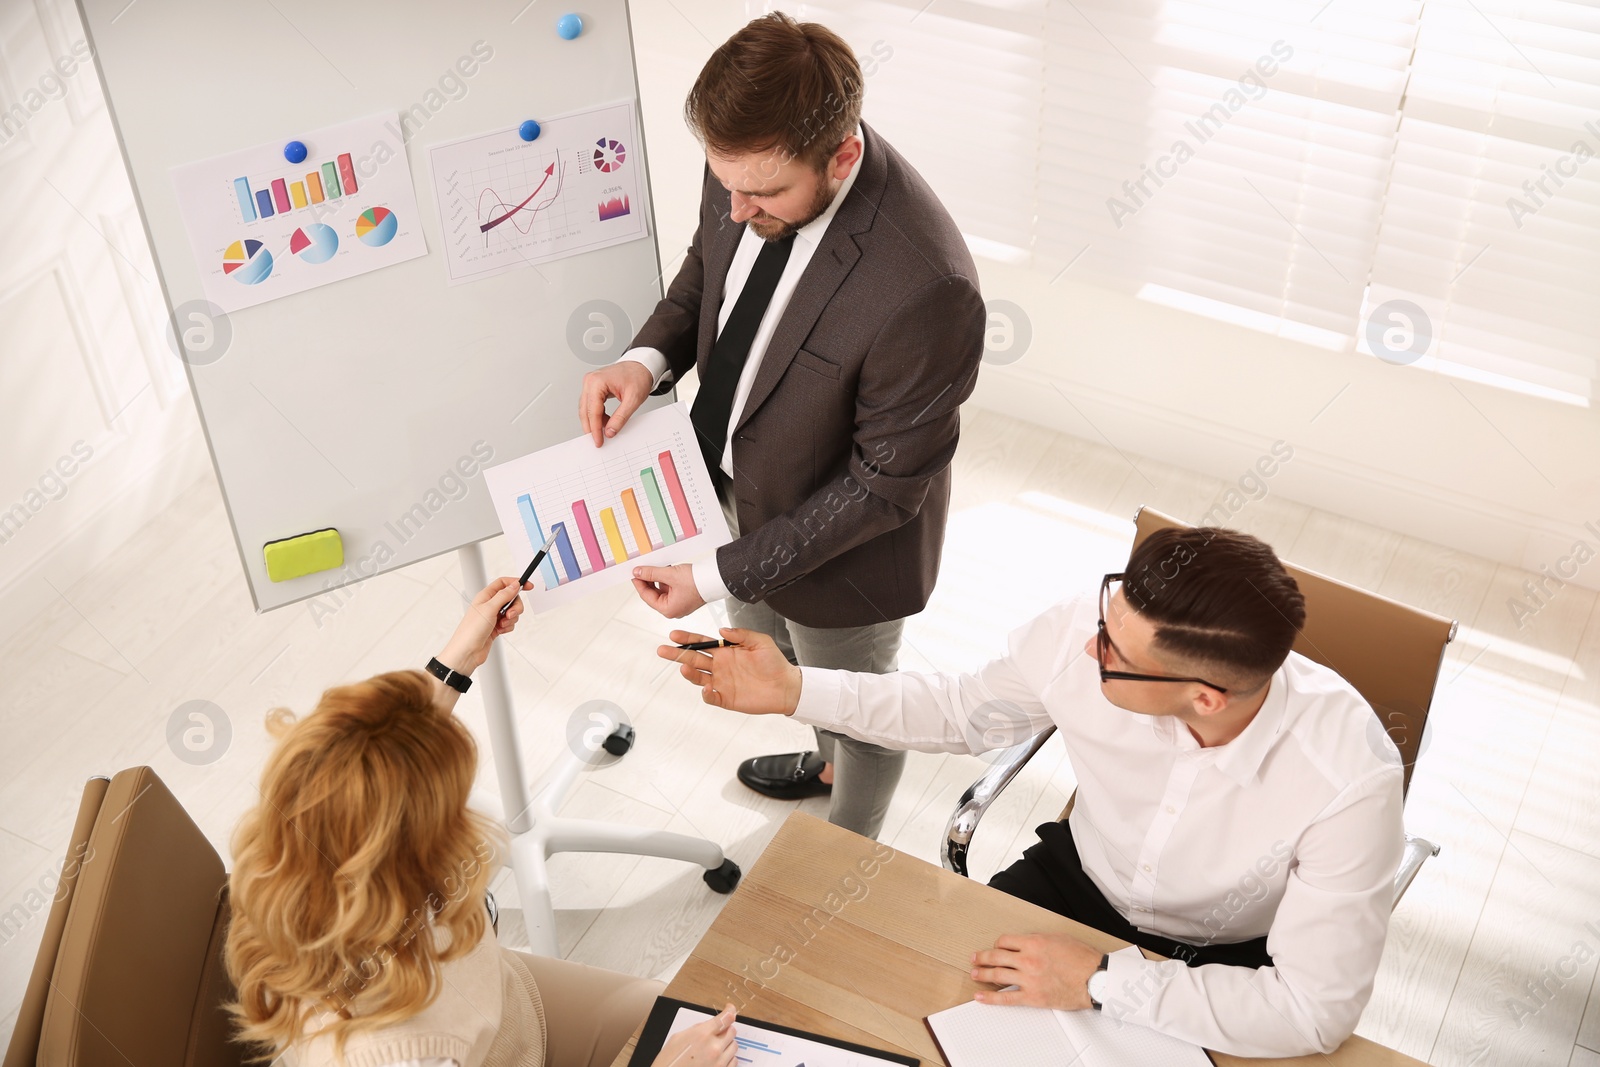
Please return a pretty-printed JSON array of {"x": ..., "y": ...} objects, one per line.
[
  {"x": 1098, "y": 982},
  {"x": 459, "y": 682}
]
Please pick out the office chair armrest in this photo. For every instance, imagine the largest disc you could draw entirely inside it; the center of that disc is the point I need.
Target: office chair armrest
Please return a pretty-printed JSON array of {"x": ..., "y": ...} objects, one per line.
[
  {"x": 979, "y": 795},
  {"x": 1416, "y": 852}
]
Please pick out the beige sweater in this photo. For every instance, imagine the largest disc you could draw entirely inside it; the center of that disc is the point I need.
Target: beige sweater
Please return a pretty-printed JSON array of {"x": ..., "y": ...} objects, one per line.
[{"x": 488, "y": 1014}]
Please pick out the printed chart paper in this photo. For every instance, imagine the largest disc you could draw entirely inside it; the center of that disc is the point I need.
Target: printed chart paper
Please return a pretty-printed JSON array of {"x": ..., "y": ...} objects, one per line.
[
  {"x": 262, "y": 227},
  {"x": 767, "y": 1048},
  {"x": 506, "y": 203},
  {"x": 979, "y": 1035},
  {"x": 644, "y": 498}
]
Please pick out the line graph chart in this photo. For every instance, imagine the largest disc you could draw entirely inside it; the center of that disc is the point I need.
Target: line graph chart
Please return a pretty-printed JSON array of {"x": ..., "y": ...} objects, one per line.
[
  {"x": 497, "y": 211},
  {"x": 506, "y": 203}
]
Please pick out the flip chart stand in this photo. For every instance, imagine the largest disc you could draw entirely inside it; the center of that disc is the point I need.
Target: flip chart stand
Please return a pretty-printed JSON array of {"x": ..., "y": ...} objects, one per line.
[{"x": 537, "y": 832}]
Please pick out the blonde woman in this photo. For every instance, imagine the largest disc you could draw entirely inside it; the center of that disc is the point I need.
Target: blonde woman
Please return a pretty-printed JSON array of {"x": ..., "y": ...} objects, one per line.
[{"x": 359, "y": 932}]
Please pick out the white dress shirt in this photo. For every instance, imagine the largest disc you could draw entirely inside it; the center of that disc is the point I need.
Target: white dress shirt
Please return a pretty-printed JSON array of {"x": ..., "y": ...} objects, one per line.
[
  {"x": 1292, "y": 829},
  {"x": 707, "y": 578}
]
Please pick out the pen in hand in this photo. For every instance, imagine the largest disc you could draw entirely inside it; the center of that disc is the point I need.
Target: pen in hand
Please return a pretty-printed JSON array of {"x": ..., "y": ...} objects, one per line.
[
  {"x": 523, "y": 581},
  {"x": 701, "y": 646}
]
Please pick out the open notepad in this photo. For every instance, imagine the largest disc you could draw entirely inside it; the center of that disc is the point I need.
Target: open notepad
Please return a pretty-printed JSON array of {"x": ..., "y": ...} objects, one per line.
[{"x": 981, "y": 1035}]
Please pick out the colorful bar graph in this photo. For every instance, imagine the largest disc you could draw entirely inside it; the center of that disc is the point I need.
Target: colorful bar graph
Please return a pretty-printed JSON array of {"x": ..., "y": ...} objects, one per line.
[
  {"x": 658, "y": 507},
  {"x": 608, "y": 522},
  {"x": 247, "y": 203},
  {"x": 641, "y": 532},
  {"x": 536, "y": 536},
  {"x": 580, "y": 512},
  {"x": 569, "y": 559},
  {"x": 669, "y": 470},
  {"x": 613, "y": 524},
  {"x": 347, "y": 172},
  {"x": 329, "y": 181}
]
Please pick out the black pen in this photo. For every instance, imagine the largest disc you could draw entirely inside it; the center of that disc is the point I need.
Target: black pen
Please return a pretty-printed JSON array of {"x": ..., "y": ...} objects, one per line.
[
  {"x": 537, "y": 559},
  {"x": 701, "y": 646}
]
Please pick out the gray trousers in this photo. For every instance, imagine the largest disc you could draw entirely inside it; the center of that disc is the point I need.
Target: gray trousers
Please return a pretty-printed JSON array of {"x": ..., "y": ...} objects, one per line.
[{"x": 864, "y": 775}]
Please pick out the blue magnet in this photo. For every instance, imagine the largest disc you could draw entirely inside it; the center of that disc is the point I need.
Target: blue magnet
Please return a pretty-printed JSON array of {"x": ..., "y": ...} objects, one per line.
[
  {"x": 295, "y": 152},
  {"x": 528, "y": 131},
  {"x": 569, "y": 26}
]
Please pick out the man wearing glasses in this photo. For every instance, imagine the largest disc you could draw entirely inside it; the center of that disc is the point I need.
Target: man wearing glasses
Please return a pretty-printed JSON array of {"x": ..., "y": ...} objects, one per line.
[{"x": 1235, "y": 808}]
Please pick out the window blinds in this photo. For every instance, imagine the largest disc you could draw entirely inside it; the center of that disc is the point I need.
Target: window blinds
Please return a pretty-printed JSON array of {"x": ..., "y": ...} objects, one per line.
[{"x": 1335, "y": 173}]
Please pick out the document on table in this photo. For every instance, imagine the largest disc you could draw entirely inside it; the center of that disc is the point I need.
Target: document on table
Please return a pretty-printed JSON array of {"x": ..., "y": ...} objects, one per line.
[
  {"x": 978, "y": 1035},
  {"x": 761, "y": 1044}
]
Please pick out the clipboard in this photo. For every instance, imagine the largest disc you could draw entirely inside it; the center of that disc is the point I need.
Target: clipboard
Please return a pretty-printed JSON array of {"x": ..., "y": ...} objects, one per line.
[{"x": 665, "y": 1011}]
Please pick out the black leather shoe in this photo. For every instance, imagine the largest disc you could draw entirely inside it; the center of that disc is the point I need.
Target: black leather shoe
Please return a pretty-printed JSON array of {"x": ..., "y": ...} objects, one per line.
[{"x": 791, "y": 776}]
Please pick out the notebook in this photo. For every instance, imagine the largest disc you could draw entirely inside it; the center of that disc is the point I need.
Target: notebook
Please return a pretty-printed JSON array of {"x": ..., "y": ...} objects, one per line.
[{"x": 980, "y": 1035}]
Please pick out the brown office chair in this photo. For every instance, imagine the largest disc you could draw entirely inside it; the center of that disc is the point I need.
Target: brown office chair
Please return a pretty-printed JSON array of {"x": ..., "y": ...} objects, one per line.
[
  {"x": 1389, "y": 652},
  {"x": 130, "y": 970}
]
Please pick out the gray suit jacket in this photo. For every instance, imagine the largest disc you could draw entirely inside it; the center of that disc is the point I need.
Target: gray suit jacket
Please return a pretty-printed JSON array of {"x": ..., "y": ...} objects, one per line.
[{"x": 842, "y": 452}]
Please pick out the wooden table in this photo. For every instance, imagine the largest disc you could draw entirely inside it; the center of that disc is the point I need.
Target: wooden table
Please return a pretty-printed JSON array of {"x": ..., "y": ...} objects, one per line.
[{"x": 843, "y": 936}]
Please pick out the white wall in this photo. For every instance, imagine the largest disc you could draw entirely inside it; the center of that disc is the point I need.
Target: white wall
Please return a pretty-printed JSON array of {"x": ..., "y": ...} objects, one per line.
[
  {"x": 1499, "y": 474},
  {"x": 1505, "y": 476}
]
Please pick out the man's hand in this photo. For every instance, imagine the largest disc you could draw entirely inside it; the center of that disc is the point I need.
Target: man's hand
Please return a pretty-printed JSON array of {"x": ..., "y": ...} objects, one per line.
[
  {"x": 1050, "y": 971},
  {"x": 628, "y": 380},
  {"x": 752, "y": 676},
  {"x": 670, "y": 590}
]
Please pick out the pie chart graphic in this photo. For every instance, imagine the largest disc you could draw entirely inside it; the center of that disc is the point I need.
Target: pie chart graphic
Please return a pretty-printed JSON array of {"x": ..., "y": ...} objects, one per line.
[
  {"x": 315, "y": 242},
  {"x": 376, "y": 226},
  {"x": 608, "y": 155},
  {"x": 247, "y": 261}
]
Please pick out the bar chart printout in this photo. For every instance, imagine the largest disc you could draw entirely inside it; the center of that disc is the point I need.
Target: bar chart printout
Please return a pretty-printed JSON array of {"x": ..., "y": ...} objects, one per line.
[
  {"x": 645, "y": 498},
  {"x": 261, "y": 227}
]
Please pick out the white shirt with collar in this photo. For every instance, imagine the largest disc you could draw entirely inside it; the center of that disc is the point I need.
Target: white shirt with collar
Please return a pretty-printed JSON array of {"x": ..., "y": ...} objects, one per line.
[
  {"x": 1291, "y": 830},
  {"x": 707, "y": 578}
]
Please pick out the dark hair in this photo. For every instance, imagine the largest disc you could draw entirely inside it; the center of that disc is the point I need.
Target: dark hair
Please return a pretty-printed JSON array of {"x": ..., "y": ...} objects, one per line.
[
  {"x": 778, "y": 84},
  {"x": 1218, "y": 597}
]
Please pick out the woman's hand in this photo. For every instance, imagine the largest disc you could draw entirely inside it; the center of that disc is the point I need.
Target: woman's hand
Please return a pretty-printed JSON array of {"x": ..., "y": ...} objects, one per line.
[
  {"x": 707, "y": 1044},
  {"x": 750, "y": 675},
  {"x": 468, "y": 647}
]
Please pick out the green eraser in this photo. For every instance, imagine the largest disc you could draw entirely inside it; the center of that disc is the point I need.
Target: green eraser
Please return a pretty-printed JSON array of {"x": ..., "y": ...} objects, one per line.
[{"x": 309, "y": 553}]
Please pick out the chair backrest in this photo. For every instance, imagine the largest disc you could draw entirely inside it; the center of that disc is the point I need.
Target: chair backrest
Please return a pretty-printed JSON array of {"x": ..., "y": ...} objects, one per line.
[
  {"x": 1388, "y": 651},
  {"x": 130, "y": 968}
]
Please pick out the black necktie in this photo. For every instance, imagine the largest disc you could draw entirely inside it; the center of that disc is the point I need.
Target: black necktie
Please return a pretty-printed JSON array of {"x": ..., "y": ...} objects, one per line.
[{"x": 713, "y": 405}]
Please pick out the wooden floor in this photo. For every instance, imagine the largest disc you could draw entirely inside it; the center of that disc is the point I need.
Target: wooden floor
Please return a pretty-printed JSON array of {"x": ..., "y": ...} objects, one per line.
[{"x": 1507, "y": 784}]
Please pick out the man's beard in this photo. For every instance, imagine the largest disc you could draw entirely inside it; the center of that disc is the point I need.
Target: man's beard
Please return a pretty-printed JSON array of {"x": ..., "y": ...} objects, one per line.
[{"x": 814, "y": 210}]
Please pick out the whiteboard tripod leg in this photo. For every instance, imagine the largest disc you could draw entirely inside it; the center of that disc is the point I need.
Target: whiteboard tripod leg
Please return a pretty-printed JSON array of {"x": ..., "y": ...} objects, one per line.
[
  {"x": 536, "y": 831},
  {"x": 533, "y": 893},
  {"x": 496, "y": 688},
  {"x": 585, "y": 835}
]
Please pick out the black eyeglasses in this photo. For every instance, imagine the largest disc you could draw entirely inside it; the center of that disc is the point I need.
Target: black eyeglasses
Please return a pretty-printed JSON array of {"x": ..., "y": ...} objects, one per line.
[{"x": 1103, "y": 642}]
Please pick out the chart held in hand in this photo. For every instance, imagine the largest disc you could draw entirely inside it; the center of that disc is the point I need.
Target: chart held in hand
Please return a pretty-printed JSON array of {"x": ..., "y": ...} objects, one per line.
[{"x": 644, "y": 498}]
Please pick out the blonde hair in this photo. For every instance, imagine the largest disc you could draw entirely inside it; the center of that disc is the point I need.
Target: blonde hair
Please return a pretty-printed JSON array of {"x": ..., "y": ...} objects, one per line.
[{"x": 361, "y": 849}]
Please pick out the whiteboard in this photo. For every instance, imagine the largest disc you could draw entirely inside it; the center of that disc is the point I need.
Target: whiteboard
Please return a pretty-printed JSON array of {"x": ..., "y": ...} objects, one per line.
[{"x": 360, "y": 405}]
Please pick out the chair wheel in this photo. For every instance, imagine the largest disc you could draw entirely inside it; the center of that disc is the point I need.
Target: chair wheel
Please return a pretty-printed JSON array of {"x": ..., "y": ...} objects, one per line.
[
  {"x": 619, "y": 740},
  {"x": 724, "y": 878}
]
